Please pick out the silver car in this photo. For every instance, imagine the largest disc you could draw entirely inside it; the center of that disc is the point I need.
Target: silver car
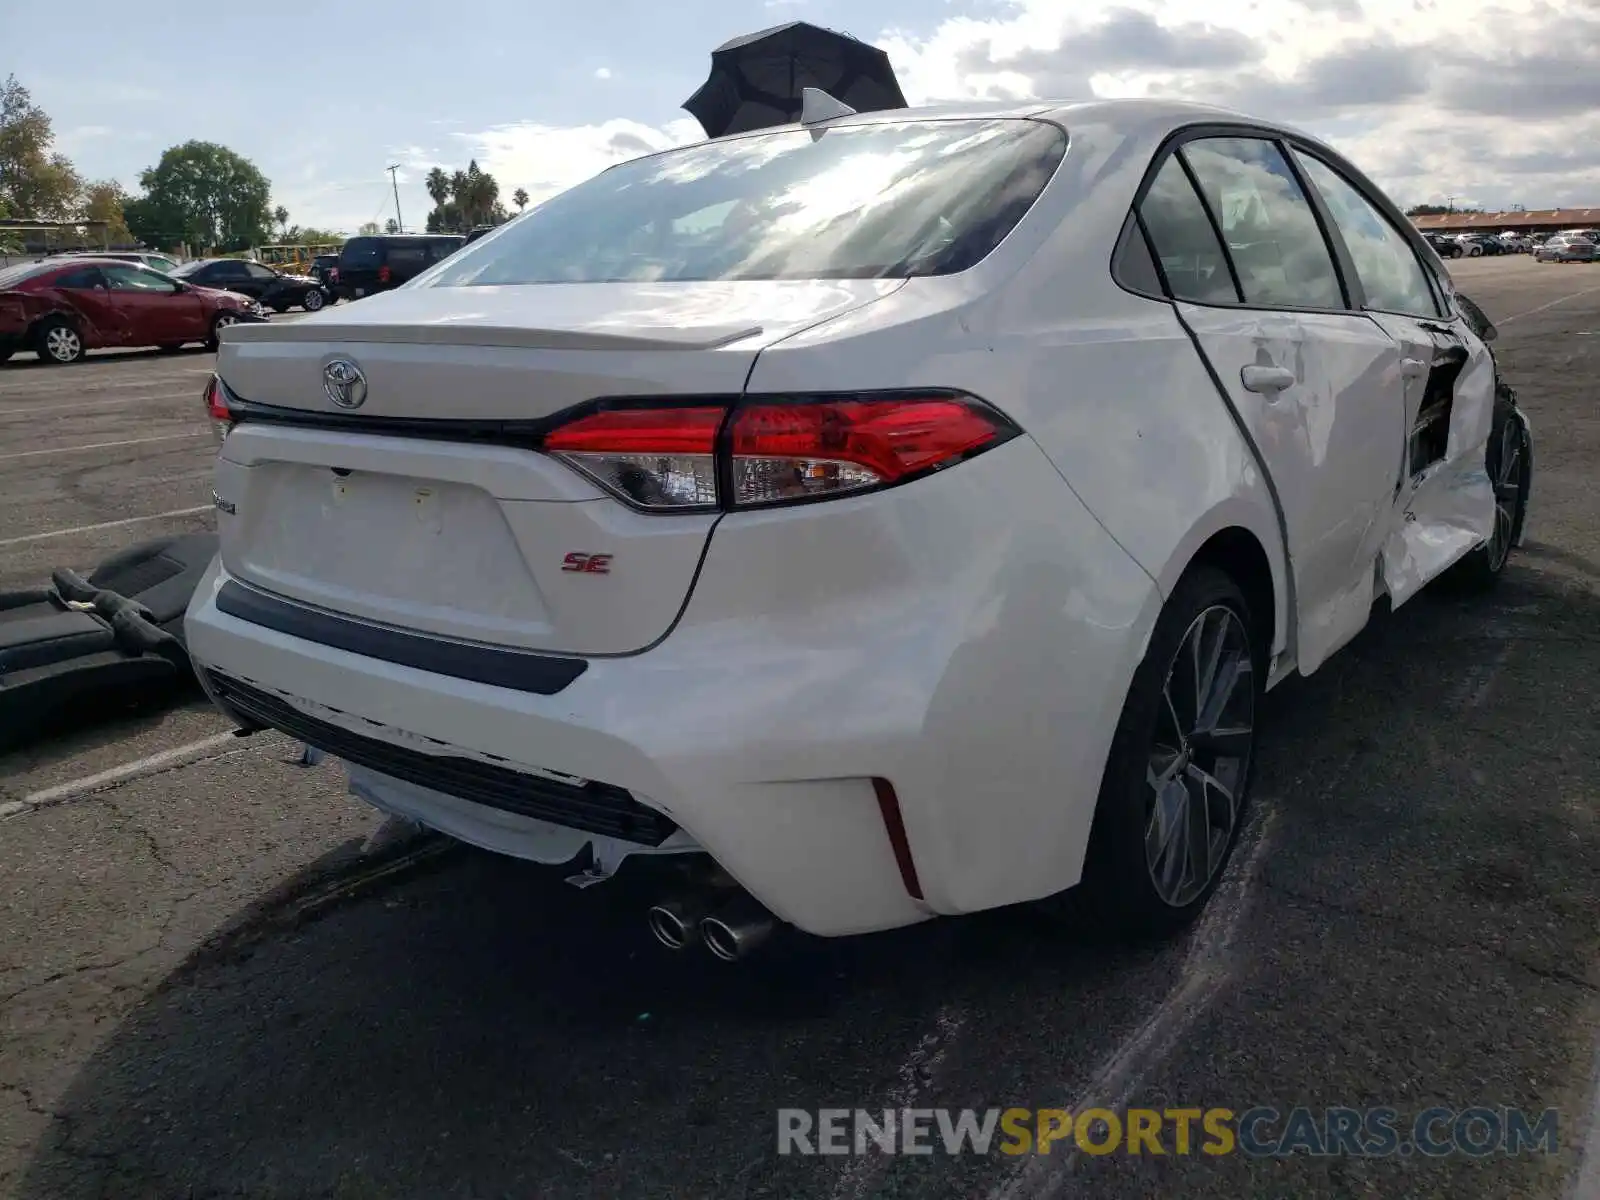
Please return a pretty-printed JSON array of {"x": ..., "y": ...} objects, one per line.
[{"x": 1565, "y": 247}]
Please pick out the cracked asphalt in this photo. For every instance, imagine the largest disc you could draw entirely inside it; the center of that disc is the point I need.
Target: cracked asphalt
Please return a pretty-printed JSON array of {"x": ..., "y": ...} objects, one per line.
[{"x": 219, "y": 977}]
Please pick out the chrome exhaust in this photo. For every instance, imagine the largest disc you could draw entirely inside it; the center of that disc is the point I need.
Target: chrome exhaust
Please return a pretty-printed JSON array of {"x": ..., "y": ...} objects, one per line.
[
  {"x": 674, "y": 920},
  {"x": 737, "y": 928}
]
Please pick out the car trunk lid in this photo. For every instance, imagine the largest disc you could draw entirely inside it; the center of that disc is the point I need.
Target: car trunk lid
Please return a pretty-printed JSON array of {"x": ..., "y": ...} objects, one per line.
[{"x": 428, "y": 506}]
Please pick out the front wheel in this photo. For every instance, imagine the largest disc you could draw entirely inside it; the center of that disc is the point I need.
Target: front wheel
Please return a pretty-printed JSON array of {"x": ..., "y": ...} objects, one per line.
[
  {"x": 313, "y": 300},
  {"x": 218, "y": 323},
  {"x": 56, "y": 341},
  {"x": 1173, "y": 795}
]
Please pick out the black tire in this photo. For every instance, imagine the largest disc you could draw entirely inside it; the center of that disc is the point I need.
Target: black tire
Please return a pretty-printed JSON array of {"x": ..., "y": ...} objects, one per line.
[
  {"x": 219, "y": 322},
  {"x": 1118, "y": 892},
  {"x": 313, "y": 301},
  {"x": 56, "y": 341},
  {"x": 170, "y": 347},
  {"x": 280, "y": 309},
  {"x": 1509, "y": 461}
]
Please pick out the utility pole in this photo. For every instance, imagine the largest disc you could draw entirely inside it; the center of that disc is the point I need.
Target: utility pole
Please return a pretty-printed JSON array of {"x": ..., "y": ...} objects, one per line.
[{"x": 400, "y": 225}]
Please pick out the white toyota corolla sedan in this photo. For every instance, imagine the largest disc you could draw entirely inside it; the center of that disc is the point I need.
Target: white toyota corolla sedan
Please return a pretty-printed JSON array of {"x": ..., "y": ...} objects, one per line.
[{"x": 892, "y": 515}]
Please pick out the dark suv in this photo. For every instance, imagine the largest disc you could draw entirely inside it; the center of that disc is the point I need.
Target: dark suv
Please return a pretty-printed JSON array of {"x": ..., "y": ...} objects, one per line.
[{"x": 377, "y": 264}]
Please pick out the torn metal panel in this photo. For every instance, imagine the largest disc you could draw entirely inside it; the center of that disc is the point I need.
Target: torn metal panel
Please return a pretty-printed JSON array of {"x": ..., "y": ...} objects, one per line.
[{"x": 1444, "y": 502}]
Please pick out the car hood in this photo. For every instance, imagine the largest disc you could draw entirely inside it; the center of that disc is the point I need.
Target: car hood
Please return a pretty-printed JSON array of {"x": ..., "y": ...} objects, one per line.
[{"x": 590, "y": 316}]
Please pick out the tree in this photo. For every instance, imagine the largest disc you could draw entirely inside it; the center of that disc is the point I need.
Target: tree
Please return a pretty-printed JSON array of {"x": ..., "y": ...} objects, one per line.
[
  {"x": 391, "y": 226},
  {"x": 34, "y": 181},
  {"x": 438, "y": 184},
  {"x": 102, "y": 202},
  {"x": 520, "y": 198},
  {"x": 207, "y": 196},
  {"x": 1435, "y": 210},
  {"x": 280, "y": 217},
  {"x": 370, "y": 229}
]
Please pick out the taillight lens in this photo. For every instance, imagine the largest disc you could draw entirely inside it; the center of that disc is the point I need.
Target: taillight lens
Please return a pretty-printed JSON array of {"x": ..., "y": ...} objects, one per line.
[
  {"x": 761, "y": 452},
  {"x": 383, "y": 274},
  {"x": 223, "y": 418},
  {"x": 655, "y": 458}
]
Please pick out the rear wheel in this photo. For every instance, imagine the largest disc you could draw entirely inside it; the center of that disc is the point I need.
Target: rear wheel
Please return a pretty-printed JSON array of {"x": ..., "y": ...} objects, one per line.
[
  {"x": 1173, "y": 795},
  {"x": 57, "y": 342}
]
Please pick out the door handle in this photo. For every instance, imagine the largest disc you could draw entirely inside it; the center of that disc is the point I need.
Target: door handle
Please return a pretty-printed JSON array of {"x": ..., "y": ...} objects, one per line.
[
  {"x": 1266, "y": 379},
  {"x": 1413, "y": 368}
]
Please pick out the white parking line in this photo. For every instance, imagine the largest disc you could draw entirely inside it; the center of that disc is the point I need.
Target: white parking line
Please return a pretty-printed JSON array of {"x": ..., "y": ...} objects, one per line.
[
  {"x": 166, "y": 437},
  {"x": 55, "y": 533},
  {"x": 150, "y": 764},
  {"x": 108, "y": 383},
  {"x": 60, "y": 408},
  {"x": 1543, "y": 307}
]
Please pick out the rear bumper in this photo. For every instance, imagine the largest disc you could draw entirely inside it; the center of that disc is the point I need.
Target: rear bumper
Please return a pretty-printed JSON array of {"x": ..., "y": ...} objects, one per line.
[{"x": 968, "y": 638}]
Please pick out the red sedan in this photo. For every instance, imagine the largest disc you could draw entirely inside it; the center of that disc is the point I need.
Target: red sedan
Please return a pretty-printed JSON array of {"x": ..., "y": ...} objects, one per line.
[{"x": 61, "y": 310}]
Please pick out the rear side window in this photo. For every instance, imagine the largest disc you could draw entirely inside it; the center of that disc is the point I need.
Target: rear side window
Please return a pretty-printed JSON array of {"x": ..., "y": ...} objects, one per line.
[
  {"x": 1184, "y": 240},
  {"x": 1273, "y": 236},
  {"x": 82, "y": 279},
  {"x": 361, "y": 252},
  {"x": 1391, "y": 275},
  {"x": 408, "y": 254},
  {"x": 873, "y": 201}
]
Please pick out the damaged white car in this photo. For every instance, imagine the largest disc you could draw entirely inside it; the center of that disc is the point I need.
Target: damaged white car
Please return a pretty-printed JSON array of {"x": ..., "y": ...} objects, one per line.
[{"x": 895, "y": 515}]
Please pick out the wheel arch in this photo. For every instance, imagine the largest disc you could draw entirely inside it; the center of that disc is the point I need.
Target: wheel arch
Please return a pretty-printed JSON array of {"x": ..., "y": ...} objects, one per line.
[{"x": 1242, "y": 541}]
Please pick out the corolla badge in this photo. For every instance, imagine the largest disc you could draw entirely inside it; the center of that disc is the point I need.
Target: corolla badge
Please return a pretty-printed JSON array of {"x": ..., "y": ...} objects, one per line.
[{"x": 344, "y": 383}]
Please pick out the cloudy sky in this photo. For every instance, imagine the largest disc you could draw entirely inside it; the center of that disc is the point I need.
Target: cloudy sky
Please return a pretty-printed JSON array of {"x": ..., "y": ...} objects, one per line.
[{"x": 1495, "y": 103}]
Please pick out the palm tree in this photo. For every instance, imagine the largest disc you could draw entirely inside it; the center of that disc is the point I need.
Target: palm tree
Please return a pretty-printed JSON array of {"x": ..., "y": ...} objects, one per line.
[
  {"x": 438, "y": 185},
  {"x": 460, "y": 185},
  {"x": 280, "y": 216},
  {"x": 520, "y": 198}
]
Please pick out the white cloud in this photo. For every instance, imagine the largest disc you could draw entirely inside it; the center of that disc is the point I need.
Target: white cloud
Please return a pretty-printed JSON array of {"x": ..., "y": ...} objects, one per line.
[
  {"x": 546, "y": 159},
  {"x": 602, "y": 73},
  {"x": 1497, "y": 99}
]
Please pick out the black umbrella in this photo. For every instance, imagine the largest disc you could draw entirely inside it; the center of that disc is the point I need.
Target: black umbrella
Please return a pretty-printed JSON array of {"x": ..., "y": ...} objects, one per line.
[{"x": 756, "y": 80}]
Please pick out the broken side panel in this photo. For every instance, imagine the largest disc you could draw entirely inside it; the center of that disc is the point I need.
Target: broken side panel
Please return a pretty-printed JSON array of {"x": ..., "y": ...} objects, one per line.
[{"x": 1444, "y": 502}]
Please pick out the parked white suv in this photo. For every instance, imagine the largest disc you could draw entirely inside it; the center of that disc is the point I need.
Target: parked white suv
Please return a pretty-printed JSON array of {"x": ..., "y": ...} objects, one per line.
[{"x": 904, "y": 513}]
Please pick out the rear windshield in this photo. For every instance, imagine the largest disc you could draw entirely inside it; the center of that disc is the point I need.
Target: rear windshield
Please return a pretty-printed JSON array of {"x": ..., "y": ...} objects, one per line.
[
  {"x": 362, "y": 252},
  {"x": 11, "y": 276},
  {"x": 856, "y": 202}
]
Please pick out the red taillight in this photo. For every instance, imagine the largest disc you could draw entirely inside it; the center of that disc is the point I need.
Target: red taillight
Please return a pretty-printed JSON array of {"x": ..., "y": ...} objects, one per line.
[
  {"x": 656, "y": 458},
  {"x": 772, "y": 451},
  {"x": 383, "y": 274},
  {"x": 223, "y": 418}
]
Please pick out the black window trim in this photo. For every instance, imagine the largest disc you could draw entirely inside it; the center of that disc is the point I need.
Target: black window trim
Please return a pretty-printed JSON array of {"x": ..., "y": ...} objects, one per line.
[{"x": 1285, "y": 141}]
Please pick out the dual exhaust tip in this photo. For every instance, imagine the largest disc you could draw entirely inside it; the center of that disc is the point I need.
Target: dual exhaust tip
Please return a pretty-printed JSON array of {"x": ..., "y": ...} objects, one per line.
[{"x": 729, "y": 927}]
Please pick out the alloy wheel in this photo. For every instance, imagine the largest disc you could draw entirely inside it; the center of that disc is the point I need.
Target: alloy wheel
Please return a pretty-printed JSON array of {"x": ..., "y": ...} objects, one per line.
[
  {"x": 1200, "y": 756},
  {"x": 313, "y": 301},
  {"x": 63, "y": 344},
  {"x": 1506, "y": 475}
]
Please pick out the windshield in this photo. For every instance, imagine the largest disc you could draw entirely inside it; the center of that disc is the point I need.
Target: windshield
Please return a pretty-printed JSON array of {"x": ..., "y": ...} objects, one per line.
[
  {"x": 188, "y": 268},
  {"x": 855, "y": 202}
]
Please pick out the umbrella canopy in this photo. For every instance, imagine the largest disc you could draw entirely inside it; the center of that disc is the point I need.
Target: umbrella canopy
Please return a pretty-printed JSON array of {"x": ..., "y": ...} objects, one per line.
[{"x": 756, "y": 80}]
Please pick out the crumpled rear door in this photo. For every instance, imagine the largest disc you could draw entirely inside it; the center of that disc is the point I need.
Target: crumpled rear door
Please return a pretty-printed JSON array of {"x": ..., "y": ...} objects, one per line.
[{"x": 1444, "y": 502}]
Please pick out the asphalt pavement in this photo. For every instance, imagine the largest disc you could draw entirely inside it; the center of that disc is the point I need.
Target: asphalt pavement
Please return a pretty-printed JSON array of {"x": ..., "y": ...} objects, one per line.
[{"x": 216, "y": 982}]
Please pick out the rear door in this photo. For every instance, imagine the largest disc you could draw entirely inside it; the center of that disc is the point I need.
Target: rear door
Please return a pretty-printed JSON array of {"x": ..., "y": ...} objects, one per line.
[
  {"x": 1444, "y": 504},
  {"x": 86, "y": 291},
  {"x": 1316, "y": 384}
]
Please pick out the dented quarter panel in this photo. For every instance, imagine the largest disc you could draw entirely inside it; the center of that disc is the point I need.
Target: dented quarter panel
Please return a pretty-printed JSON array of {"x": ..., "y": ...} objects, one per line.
[{"x": 1330, "y": 442}]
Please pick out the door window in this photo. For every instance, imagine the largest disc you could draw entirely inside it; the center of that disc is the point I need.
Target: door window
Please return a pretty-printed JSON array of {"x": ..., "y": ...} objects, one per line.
[
  {"x": 1390, "y": 273},
  {"x": 1183, "y": 239},
  {"x": 1271, "y": 230},
  {"x": 136, "y": 279},
  {"x": 258, "y": 272},
  {"x": 81, "y": 280}
]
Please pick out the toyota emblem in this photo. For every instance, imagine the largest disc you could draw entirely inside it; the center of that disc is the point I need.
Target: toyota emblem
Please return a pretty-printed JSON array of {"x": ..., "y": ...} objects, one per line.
[{"x": 344, "y": 383}]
